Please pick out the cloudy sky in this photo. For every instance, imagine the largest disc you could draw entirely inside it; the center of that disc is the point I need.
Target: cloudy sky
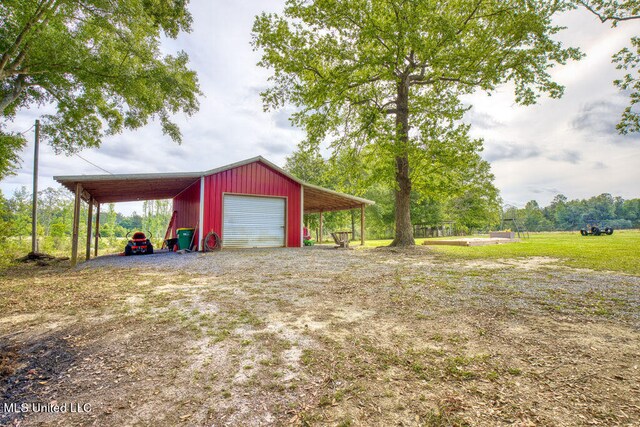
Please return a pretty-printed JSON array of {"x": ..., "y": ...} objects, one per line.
[{"x": 566, "y": 146}]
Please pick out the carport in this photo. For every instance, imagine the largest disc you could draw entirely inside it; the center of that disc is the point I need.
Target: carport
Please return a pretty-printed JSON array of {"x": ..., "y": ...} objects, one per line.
[
  {"x": 97, "y": 190},
  {"x": 200, "y": 198}
]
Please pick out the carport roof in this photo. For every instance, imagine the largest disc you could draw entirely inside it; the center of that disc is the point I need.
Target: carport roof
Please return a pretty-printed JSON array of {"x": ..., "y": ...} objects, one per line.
[
  {"x": 130, "y": 187},
  {"x": 133, "y": 187}
]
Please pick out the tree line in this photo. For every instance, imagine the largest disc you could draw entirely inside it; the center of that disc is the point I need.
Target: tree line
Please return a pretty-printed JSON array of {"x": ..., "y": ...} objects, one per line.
[
  {"x": 565, "y": 214},
  {"x": 55, "y": 220},
  {"x": 473, "y": 205},
  {"x": 470, "y": 211}
]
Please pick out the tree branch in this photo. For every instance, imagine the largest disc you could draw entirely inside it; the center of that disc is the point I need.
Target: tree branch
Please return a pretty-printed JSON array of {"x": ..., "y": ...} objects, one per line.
[
  {"x": 42, "y": 8},
  {"x": 461, "y": 81},
  {"x": 466, "y": 21},
  {"x": 14, "y": 94},
  {"x": 358, "y": 84},
  {"x": 313, "y": 70},
  {"x": 604, "y": 18}
]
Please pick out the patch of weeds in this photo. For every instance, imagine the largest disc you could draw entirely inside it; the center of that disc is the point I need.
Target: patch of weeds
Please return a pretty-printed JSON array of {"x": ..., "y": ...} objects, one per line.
[
  {"x": 219, "y": 335},
  {"x": 206, "y": 319},
  {"x": 456, "y": 367},
  {"x": 446, "y": 286},
  {"x": 307, "y": 418},
  {"x": 419, "y": 280},
  {"x": 601, "y": 310},
  {"x": 331, "y": 399},
  {"x": 275, "y": 386},
  {"x": 248, "y": 318},
  {"x": 457, "y": 339},
  {"x": 444, "y": 416},
  {"x": 272, "y": 361},
  {"x": 307, "y": 358},
  {"x": 339, "y": 395},
  {"x": 397, "y": 277},
  {"x": 479, "y": 273},
  {"x": 325, "y": 400},
  {"x": 418, "y": 368},
  {"x": 226, "y": 394},
  {"x": 514, "y": 371},
  {"x": 493, "y": 376}
]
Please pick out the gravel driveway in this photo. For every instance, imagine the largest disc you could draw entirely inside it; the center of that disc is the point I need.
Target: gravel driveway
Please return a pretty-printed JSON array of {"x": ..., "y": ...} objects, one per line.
[{"x": 317, "y": 336}]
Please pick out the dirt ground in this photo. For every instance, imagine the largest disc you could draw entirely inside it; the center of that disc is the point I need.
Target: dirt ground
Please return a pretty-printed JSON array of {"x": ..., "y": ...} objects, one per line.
[{"x": 319, "y": 337}]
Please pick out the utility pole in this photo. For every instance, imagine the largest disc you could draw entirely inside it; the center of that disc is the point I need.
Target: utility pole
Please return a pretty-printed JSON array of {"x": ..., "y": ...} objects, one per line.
[{"x": 34, "y": 210}]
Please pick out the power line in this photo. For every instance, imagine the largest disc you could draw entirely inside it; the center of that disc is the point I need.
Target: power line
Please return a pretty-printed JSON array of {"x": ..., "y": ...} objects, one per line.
[
  {"x": 93, "y": 164},
  {"x": 22, "y": 133}
]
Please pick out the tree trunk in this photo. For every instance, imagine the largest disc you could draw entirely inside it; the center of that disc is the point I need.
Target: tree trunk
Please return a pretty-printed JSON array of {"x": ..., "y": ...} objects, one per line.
[
  {"x": 13, "y": 94},
  {"x": 404, "y": 228}
]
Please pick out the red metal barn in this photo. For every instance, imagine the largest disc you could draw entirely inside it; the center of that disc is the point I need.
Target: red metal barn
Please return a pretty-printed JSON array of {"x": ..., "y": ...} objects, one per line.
[
  {"x": 249, "y": 204},
  {"x": 252, "y": 203}
]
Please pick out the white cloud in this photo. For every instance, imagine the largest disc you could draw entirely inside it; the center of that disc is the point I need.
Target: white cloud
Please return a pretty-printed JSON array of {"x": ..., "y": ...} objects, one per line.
[
  {"x": 568, "y": 145},
  {"x": 564, "y": 145}
]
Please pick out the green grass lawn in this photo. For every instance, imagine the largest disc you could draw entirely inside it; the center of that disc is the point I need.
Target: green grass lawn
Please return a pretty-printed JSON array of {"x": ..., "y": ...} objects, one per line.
[{"x": 618, "y": 252}]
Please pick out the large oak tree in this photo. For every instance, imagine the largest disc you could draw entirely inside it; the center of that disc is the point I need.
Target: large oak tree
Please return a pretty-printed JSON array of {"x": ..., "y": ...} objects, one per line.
[
  {"x": 99, "y": 62},
  {"x": 386, "y": 75}
]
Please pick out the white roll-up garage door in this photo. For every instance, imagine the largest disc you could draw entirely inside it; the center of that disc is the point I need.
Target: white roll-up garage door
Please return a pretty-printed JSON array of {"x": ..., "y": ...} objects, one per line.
[{"x": 253, "y": 222}]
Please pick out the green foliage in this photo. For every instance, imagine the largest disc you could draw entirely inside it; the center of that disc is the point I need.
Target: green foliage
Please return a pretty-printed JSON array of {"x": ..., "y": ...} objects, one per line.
[
  {"x": 55, "y": 222},
  {"x": 20, "y": 207},
  {"x": 343, "y": 172},
  {"x": 99, "y": 62},
  {"x": 473, "y": 204},
  {"x": 534, "y": 218},
  {"x": 628, "y": 59},
  {"x": 474, "y": 210},
  {"x": 10, "y": 146},
  {"x": 5, "y": 218},
  {"x": 564, "y": 214},
  {"x": 155, "y": 218},
  {"x": 613, "y": 11},
  {"x": 308, "y": 165},
  {"x": 381, "y": 80}
]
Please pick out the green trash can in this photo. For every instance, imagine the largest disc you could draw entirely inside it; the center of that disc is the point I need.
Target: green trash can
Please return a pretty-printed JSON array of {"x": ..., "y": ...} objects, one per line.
[{"x": 185, "y": 235}]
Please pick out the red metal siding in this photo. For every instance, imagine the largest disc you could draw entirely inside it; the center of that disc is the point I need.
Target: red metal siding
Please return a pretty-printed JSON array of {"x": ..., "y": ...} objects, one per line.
[
  {"x": 187, "y": 204},
  {"x": 255, "y": 179}
]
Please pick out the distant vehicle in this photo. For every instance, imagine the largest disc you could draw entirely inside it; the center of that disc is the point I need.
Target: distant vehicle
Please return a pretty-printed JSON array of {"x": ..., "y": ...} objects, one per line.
[
  {"x": 593, "y": 228},
  {"x": 138, "y": 244}
]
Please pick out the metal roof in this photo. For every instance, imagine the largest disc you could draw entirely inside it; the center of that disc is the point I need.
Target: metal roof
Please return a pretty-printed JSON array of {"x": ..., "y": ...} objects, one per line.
[{"x": 132, "y": 187}]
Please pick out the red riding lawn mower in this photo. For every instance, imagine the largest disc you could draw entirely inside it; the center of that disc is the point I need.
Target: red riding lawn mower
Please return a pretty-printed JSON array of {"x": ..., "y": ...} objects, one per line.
[{"x": 138, "y": 244}]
